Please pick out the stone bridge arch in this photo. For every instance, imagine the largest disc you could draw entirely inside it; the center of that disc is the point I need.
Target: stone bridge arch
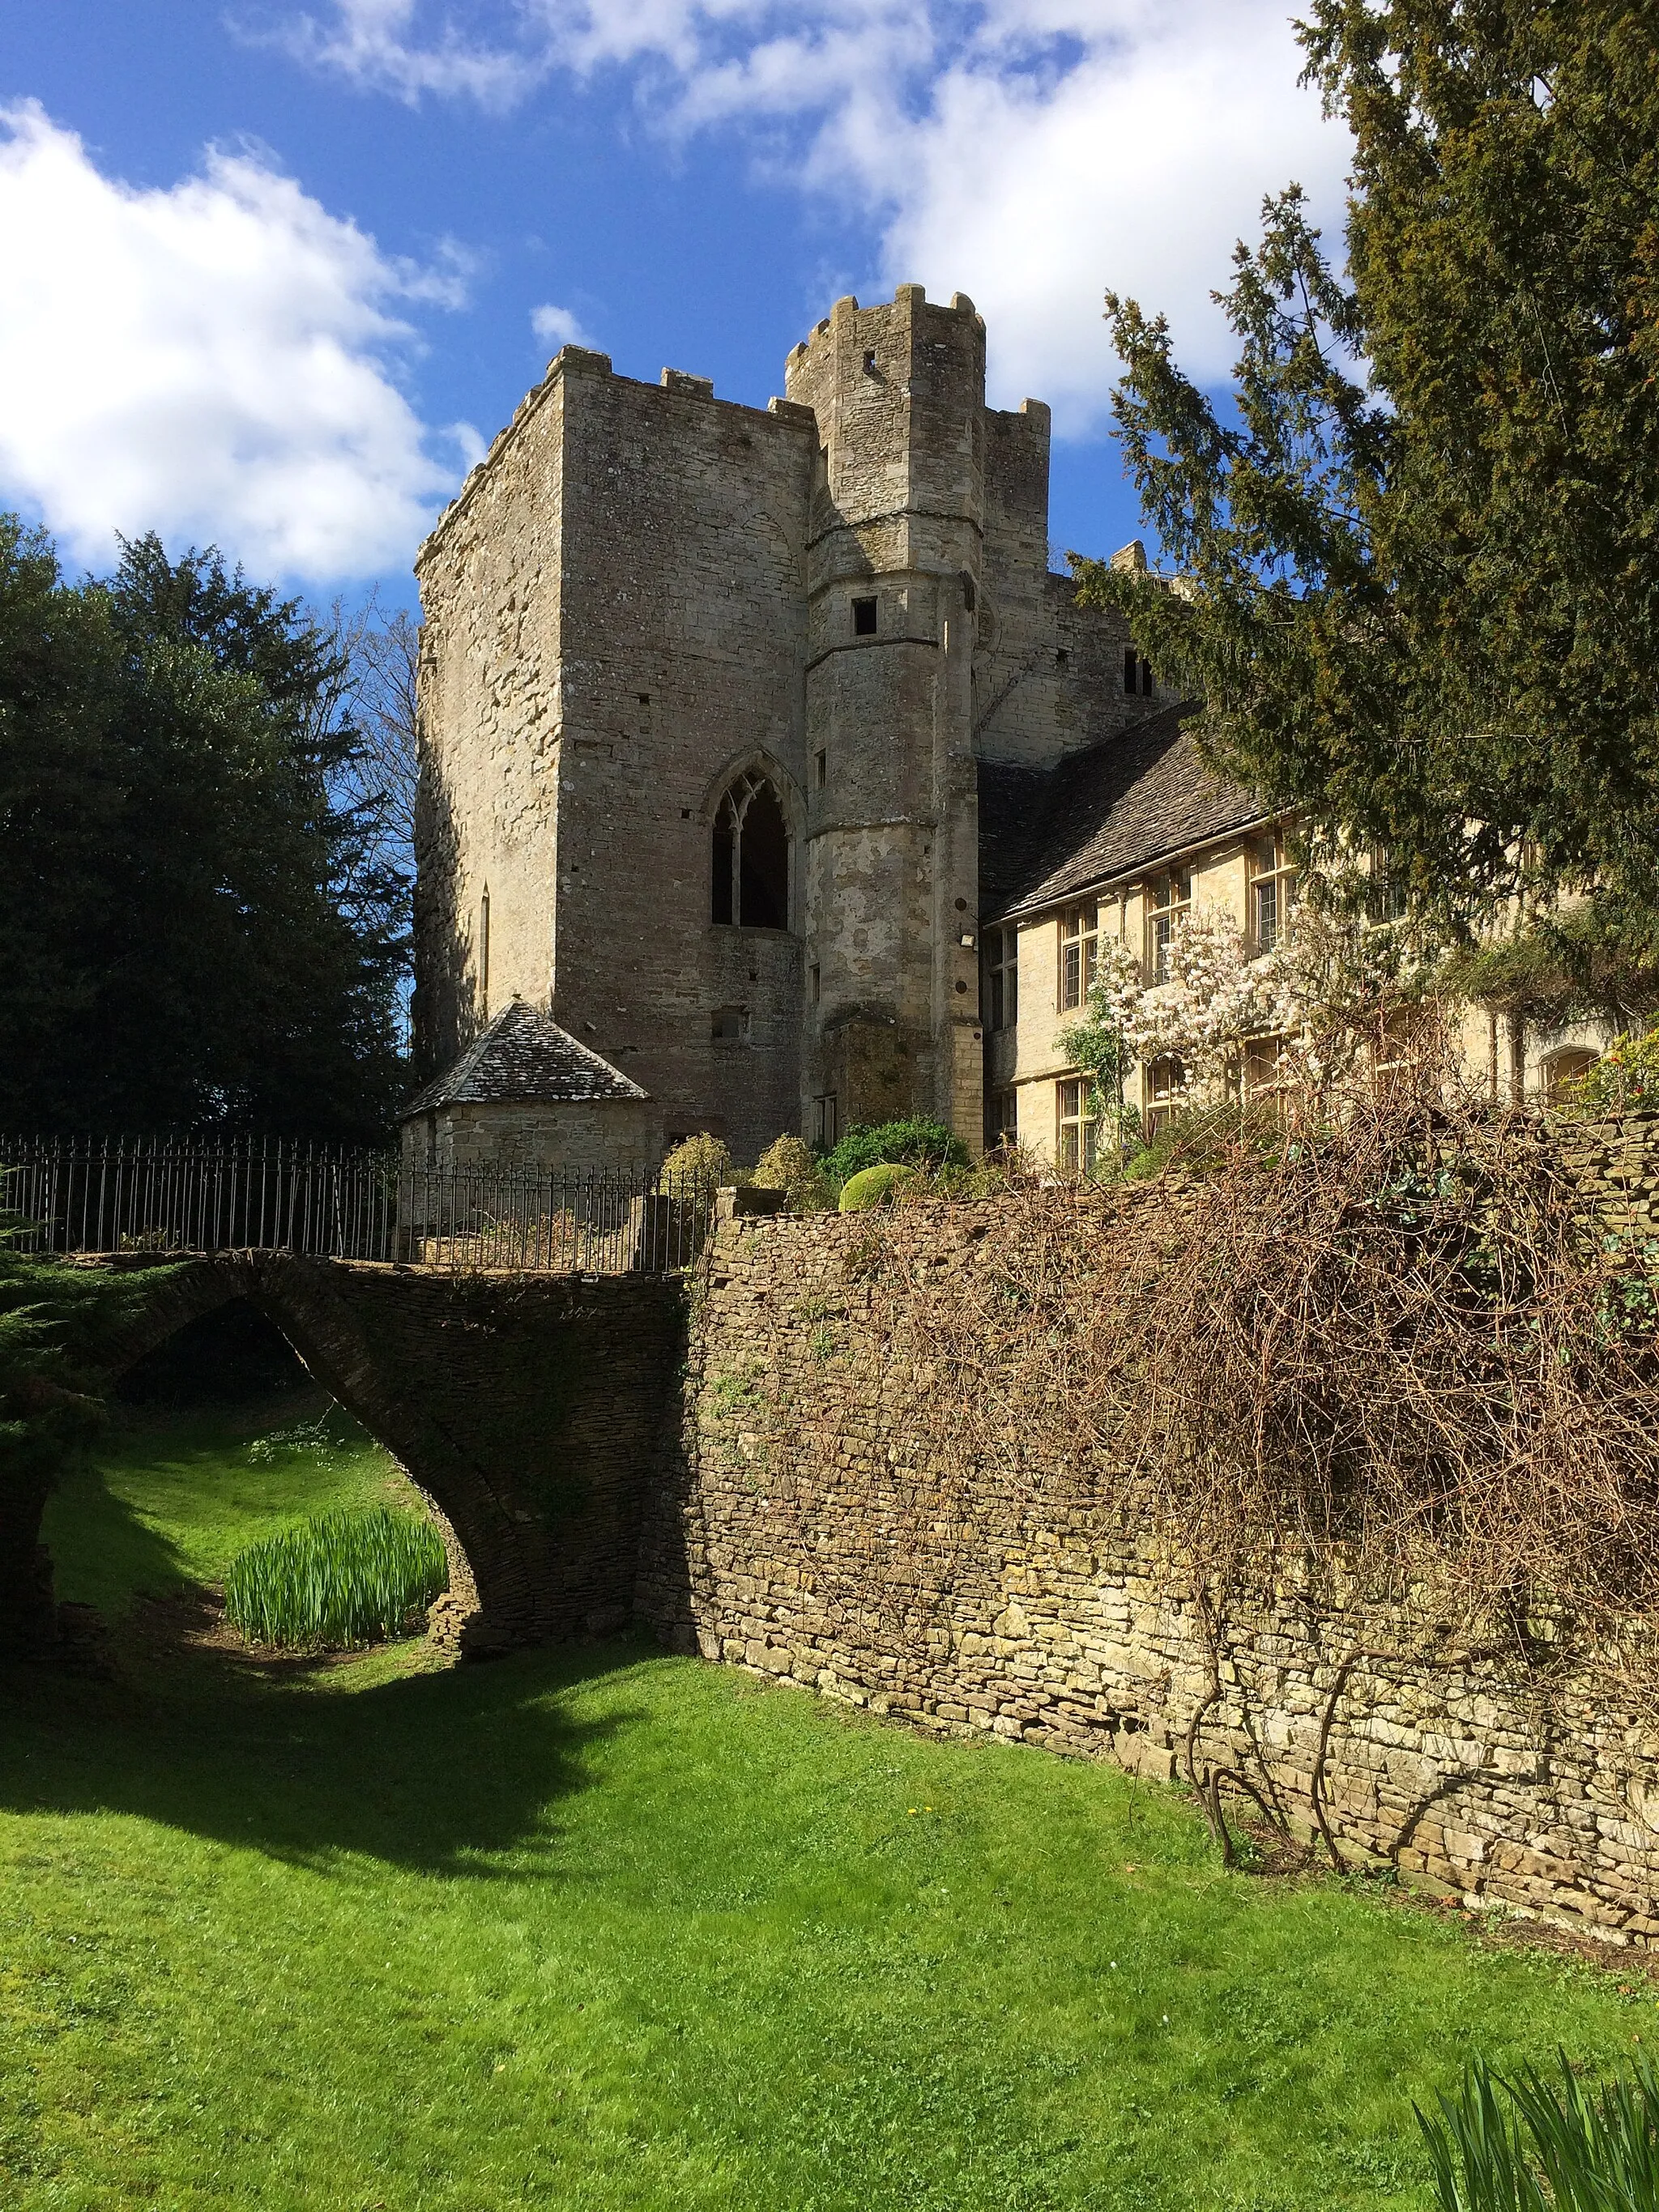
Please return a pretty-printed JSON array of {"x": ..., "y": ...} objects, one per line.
[{"x": 529, "y": 1409}]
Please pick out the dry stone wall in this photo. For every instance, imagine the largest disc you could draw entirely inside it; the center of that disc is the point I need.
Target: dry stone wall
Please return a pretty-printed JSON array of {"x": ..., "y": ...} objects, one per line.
[
  {"x": 808, "y": 1529},
  {"x": 1616, "y": 1165}
]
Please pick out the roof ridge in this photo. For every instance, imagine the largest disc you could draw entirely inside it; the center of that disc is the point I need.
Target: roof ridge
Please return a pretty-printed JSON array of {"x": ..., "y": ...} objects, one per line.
[
  {"x": 1122, "y": 804},
  {"x": 523, "y": 1053}
]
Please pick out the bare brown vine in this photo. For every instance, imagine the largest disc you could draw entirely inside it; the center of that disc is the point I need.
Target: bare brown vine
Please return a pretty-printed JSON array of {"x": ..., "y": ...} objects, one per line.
[{"x": 1395, "y": 1356}]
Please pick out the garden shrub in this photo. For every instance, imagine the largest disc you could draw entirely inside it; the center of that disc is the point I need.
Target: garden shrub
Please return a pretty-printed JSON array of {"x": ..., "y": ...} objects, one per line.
[
  {"x": 875, "y": 1186},
  {"x": 787, "y": 1165},
  {"x": 918, "y": 1143},
  {"x": 988, "y": 1178},
  {"x": 1196, "y": 1138},
  {"x": 1624, "y": 1080},
  {"x": 1534, "y": 2142},
  {"x": 702, "y": 1160}
]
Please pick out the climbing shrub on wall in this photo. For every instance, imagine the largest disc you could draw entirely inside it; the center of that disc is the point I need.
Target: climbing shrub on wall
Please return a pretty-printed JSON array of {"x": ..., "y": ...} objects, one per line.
[{"x": 1396, "y": 1356}]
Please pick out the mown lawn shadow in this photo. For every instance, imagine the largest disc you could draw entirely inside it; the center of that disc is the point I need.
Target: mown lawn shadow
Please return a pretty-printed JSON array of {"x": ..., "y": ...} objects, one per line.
[
  {"x": 459, "y": 1770},
  {"x": 101, "y": 1551}
]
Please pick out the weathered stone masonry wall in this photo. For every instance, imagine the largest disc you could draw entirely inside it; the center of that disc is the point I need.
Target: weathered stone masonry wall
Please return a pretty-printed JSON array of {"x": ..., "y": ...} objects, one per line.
[{"x": 802, "y": 1530}]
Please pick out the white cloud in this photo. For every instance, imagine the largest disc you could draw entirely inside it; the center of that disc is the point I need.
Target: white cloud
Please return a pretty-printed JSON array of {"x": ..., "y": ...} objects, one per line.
[
  {"x": 378, "y": 44},
  {"x": 1029, "y": 152},
  {"x": 558, "y": 326},
  {"x": 215, "y": 361},
  {"x": 1137, "y": 170}
]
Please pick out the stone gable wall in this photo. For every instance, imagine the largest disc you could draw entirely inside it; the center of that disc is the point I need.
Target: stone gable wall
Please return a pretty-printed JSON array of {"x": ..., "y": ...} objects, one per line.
[
  {"x": 490, "y": 709},
  {"x": 804, "y": 1529}
]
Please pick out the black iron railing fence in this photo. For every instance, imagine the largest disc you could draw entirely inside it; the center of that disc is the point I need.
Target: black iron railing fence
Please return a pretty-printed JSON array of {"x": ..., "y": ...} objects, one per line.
[{"x": 127, "y": 1196}]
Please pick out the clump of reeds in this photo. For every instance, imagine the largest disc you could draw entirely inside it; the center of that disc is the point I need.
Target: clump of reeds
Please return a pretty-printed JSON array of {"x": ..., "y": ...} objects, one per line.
[
  {"x": 342, "y": 1579},
  {"x": 1540, "y": 2144}
]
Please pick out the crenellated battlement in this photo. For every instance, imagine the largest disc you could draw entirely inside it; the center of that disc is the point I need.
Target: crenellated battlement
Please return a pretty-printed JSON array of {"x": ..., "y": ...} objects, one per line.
[{"x": 582, "y": 365}]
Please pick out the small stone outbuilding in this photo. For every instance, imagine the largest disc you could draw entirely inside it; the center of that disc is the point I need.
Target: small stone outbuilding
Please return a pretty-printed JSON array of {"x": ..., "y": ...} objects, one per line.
[{"x": 527, "y": 1094}]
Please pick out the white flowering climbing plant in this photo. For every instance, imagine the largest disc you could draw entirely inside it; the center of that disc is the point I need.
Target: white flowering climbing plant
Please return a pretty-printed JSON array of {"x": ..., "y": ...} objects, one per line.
[{"x": 1317, "y": 989}]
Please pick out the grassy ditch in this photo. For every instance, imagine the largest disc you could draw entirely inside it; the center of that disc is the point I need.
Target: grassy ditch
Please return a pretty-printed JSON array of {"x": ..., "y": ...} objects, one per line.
[
  {"x": 609, "y": 1930},
  {"x": 170, "y": 1497}
]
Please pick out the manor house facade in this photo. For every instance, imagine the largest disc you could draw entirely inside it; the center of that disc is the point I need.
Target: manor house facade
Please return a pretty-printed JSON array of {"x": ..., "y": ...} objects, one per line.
[{"x": 727, "y": 715}]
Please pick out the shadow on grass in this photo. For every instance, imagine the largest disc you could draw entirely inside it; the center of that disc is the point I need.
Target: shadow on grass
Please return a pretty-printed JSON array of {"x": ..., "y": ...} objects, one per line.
[
  {"x": 459, "y": 1770},
  {"x": 453, "y": 1769},
  {"x": 102, "y": 1551}
]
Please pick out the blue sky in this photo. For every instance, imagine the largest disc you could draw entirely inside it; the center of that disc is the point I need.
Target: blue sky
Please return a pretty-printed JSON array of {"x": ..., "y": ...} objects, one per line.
[{"x": 271, "y": 276}]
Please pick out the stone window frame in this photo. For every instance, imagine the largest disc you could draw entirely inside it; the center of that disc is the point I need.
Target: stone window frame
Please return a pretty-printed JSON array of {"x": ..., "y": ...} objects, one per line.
[
  {"x": 1265, "y": 1072},
  {"x": 1079, "y": 960},
  {"x": 1388, "y": 897},
  {"x": 755, "y": 761},
  {"x": 1273, "y": 878},
  {"x": 1002, "y": 978},
  {"x": 1166, "y": 899},
  {"x": 1162, "y": 1088},
  {"x": 1076, "y": 1127},
  {"x": 1002, "y": 1121}
]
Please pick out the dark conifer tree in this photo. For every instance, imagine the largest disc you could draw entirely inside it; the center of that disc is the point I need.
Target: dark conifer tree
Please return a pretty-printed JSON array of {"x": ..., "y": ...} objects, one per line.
[
  {"x": 1420, "y": 595},
  {"x": 192, "y": 934}
]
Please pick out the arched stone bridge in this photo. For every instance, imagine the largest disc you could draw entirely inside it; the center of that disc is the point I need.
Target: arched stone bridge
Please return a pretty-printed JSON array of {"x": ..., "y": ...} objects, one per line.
[{"x": 528, "y": 1408}]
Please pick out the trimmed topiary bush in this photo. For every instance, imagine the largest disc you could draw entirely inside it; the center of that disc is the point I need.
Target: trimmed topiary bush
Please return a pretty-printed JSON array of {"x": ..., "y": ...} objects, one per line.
[
  {"x": 917, "y": 1143},
  {"x": 875, "y": 1186}
]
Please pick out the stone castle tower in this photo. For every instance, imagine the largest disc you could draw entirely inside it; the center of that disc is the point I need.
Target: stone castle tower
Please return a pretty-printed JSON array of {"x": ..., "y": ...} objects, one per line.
[{"x": 716, "y": 701}]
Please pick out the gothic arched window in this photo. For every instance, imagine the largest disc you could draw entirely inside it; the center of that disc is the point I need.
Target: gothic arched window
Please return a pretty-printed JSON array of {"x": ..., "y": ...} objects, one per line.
[{"x": 751, "y": 855}]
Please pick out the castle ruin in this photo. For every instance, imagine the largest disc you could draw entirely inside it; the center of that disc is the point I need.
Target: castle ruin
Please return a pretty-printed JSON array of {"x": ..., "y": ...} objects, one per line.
[{"x": 714, "y": 700}]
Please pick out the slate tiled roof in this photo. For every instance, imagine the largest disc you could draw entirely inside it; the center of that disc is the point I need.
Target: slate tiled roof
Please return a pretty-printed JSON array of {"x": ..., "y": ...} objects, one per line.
[
  {"x": 1011, "y": 803},
  {"x": 1107, "y": 810},
  {"x": 523, "y": 1055}
]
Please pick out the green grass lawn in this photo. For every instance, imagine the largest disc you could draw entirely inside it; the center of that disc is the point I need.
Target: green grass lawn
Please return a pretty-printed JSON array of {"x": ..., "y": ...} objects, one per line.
[
  {"x": 171, "y": 1497},
  {"x": 606, "y": 1930}
]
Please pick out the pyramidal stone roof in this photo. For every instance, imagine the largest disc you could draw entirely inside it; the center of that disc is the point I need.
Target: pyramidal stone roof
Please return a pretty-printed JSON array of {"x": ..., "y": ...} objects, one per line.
[{"x": 523, "y": 1055}]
